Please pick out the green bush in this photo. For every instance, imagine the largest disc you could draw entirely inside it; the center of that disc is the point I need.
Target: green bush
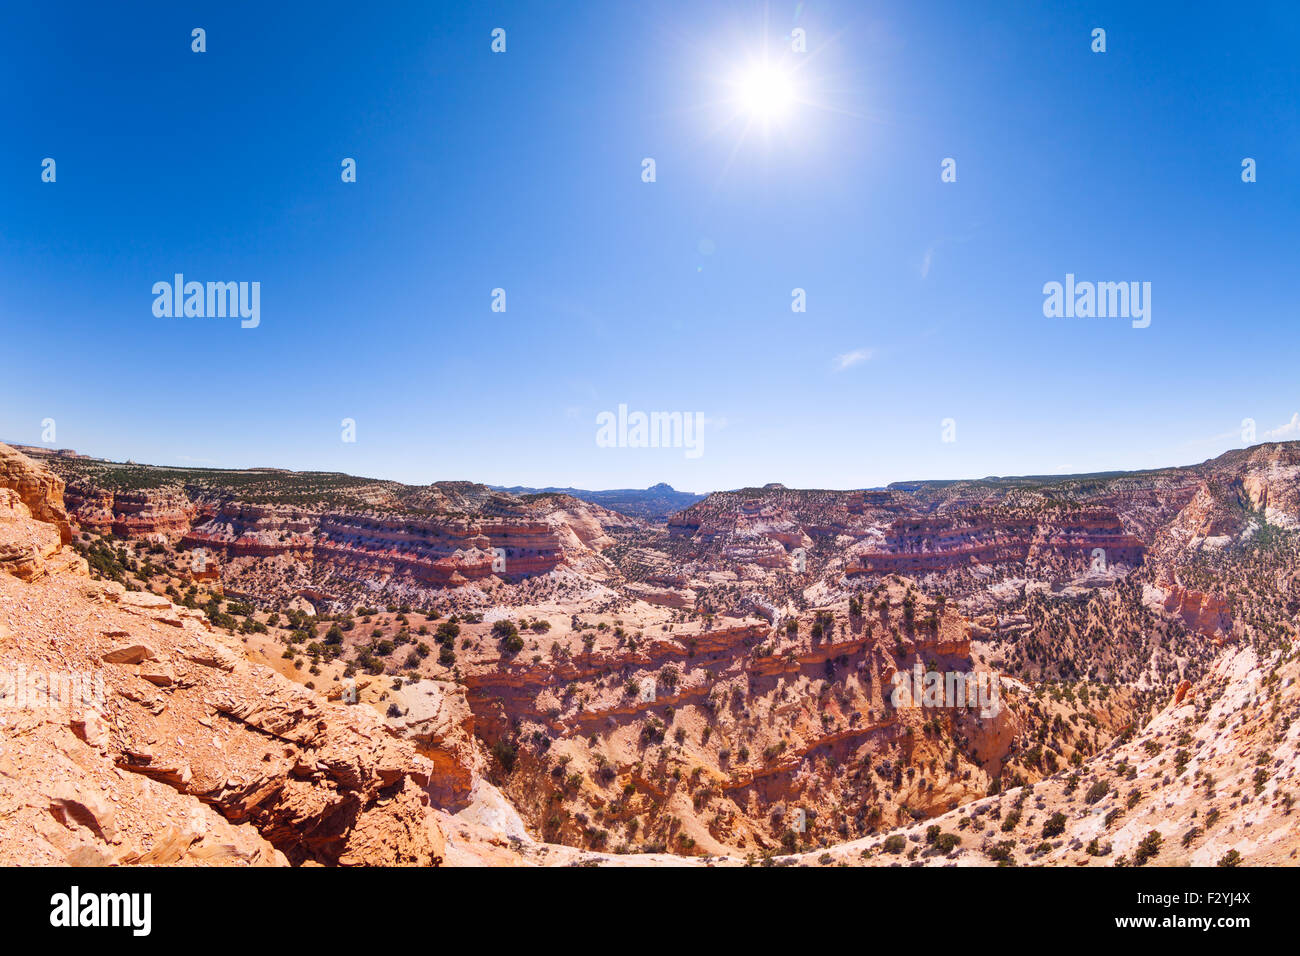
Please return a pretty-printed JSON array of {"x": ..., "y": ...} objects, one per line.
[
  {"x": 1148, "y": 848},
  {"x": 1096, "y": 791}
]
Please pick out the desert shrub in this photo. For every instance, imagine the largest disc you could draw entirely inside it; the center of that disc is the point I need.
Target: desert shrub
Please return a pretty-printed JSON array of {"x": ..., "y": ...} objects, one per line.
[
  {"x": 505, "y": 754},
  {"x": 1096, "y": 791},
  {"x": 946, "y": 842},
  {"x": 1148, "y": 848},
  {"x": 1055, "y": 825}
]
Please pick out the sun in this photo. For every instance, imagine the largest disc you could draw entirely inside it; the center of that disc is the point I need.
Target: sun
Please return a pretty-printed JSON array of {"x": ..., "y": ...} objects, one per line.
[
  {"x": 768, "y": 97},
  {"x": 765, "y": 92}
]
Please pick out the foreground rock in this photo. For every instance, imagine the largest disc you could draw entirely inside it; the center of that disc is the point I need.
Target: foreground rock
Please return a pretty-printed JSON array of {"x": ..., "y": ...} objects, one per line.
[{"x": 134, "y": 733}]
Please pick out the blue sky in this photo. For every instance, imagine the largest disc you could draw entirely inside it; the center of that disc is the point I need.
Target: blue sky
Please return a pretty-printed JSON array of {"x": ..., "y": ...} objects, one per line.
[{"x": 522, "y": 171}]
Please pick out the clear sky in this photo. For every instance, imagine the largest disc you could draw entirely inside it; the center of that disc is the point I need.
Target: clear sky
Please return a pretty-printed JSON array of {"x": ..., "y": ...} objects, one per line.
[{"x": 522, "y": 170}]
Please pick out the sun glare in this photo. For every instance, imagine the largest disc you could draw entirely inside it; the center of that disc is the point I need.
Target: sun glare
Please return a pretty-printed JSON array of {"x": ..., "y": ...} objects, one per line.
[
  {"x": 768, "y": 98},
  {"x": 765, "y": 92}
]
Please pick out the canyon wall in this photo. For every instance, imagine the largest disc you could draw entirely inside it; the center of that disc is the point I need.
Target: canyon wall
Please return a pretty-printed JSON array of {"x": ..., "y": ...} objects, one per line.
[{"x": 156, "y": 741}]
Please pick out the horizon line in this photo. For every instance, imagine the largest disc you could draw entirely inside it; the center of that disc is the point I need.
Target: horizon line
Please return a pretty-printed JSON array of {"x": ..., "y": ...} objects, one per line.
[{"x": 1043, "y": 477}]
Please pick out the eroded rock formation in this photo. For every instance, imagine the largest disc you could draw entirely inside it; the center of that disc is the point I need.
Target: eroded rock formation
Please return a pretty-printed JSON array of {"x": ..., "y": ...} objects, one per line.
[{"x": 136, "y": 734}]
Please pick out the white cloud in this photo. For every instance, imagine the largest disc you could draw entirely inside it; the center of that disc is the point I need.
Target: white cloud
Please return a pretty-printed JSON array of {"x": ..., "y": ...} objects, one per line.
[
  {"x": 1284, "y": 432},
  {"x": 849, "y": 359},
  {"x": 1237, "y": 437}
]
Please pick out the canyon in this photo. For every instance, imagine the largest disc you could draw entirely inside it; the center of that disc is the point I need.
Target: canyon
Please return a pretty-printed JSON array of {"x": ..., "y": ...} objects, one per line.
[{"x": 360, "y": 671}]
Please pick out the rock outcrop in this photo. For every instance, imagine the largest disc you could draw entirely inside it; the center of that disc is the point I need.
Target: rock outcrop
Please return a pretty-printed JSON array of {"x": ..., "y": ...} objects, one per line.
[
  {"x": 135, "y": 733},
  {"x": 437, "y": 718},
  {"x": 37, "y": 488},
  {"x": 1206, "y": 613}
]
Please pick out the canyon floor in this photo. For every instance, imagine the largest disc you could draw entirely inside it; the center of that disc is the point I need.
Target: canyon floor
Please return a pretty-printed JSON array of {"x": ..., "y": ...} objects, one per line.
[{"x": 282, "y": 668}]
